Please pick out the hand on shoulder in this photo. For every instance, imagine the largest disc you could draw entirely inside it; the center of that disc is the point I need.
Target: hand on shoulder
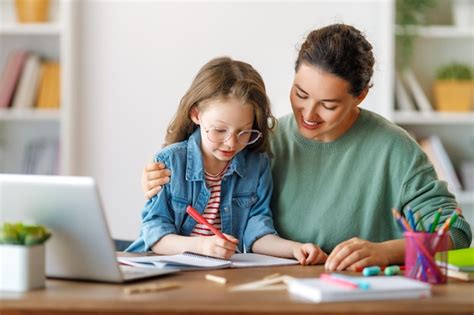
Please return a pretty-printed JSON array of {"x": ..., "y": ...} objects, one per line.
[{"x": 154, "y": 176}]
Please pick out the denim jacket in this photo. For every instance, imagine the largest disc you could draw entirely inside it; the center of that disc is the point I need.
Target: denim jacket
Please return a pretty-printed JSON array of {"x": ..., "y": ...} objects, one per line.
[{"x": 245, "y": 196}]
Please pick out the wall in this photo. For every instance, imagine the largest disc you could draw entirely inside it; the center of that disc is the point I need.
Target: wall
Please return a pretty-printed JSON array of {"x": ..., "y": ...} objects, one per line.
[{"x": 137, "y": 58}]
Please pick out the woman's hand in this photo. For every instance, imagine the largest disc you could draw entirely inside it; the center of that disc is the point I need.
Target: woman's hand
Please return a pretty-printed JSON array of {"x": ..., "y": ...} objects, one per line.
[
  {"x": 154, "y": 176},
  {"x": 309, "y": 254},
  {"x": 218, "y": 247},
  {"x": 356, "y": 253}
]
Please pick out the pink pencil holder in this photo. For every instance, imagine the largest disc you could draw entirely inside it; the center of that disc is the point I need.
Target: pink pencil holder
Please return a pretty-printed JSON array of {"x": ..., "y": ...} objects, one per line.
[{"x": 426, "y": 256}]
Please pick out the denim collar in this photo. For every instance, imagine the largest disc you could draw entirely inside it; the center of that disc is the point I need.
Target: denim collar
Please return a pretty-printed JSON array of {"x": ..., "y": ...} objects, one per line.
[{"x": 194, "y": 164}]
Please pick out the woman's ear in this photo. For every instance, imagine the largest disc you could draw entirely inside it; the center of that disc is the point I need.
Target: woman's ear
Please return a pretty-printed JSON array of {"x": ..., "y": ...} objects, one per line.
[
  {"x": 362, "y": 96},
  {"x": 194, "y": 115}
]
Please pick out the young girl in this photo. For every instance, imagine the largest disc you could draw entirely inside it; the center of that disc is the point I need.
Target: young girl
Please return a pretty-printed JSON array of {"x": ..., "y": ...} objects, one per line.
[{"x": 217, "y": 149}]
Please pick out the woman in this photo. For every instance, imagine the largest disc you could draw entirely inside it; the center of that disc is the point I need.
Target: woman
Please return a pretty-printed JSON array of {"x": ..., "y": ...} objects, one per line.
[{"x": 338, "y": 169}]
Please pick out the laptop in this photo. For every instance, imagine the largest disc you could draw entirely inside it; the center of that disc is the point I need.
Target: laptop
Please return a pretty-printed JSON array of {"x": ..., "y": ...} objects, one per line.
[{"x": 70, "y": 207}]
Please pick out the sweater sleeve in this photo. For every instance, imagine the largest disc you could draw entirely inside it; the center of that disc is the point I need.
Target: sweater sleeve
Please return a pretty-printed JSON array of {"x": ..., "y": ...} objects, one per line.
[{"x": 425, "y": 194}]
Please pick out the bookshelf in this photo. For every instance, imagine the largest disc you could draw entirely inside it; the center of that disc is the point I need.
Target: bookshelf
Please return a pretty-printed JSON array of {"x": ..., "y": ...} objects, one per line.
[
  {"x": 436, "y": 45},
  {"x": 23, "y": 129}
]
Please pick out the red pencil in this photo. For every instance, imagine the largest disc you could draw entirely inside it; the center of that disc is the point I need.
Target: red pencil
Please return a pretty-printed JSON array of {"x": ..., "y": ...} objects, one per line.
[{"x": 200, "y": 219}]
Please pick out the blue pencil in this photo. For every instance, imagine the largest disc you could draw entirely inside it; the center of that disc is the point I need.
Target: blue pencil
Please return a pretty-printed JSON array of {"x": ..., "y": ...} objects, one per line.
[{"x": 411, "y": 218}]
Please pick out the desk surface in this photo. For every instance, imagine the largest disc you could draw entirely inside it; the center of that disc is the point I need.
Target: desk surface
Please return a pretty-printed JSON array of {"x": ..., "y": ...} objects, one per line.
[{"x": 199, "y": 296}]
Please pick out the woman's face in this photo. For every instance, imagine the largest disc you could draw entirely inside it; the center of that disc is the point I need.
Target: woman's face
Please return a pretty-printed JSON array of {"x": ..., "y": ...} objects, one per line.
[{"x": 323, "y": 107}]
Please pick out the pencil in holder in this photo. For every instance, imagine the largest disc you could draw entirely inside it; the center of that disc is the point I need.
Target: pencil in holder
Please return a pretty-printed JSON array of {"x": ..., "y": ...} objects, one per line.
[{"x": 422, "y": 252}]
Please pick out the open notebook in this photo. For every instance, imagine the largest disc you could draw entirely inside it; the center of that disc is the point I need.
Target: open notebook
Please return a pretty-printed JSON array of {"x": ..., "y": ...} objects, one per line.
[
  {"x": 193, "y": 261},
  {"x": 381, "y": 288}
]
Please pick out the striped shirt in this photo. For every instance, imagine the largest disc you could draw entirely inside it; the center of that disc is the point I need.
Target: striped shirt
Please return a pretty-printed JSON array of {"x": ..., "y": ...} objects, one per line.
[{"x": 211, "y": 213}]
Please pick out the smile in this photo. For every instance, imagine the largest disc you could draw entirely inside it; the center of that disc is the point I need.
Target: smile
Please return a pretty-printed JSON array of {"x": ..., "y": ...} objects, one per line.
[{"x": 310, "y": 124}]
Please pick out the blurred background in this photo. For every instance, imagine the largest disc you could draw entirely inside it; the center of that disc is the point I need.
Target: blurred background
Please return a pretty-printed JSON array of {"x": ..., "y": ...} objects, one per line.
[{"x": 88, "y": 87}]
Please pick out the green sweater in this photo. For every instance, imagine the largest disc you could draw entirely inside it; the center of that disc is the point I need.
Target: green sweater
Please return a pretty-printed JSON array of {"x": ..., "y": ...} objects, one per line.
[{"x": 327, "y": 193}]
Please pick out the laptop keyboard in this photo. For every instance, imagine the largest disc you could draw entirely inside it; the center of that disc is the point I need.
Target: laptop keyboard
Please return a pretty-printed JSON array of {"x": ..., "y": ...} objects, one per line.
[{"x": 130, "y": 272}]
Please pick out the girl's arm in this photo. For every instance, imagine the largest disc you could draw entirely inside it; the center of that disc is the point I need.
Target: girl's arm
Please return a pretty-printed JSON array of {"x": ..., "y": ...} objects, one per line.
[
  {"x": 173, "y": 244},
  {"x": 273, "y": 245}
]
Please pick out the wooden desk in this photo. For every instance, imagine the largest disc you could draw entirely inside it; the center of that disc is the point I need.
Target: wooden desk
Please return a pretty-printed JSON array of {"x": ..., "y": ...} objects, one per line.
[{"x": 199, "y": 296}]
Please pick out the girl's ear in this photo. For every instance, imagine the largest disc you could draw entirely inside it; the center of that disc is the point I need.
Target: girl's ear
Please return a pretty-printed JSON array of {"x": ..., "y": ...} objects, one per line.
[{"x": 194, "y": 115}]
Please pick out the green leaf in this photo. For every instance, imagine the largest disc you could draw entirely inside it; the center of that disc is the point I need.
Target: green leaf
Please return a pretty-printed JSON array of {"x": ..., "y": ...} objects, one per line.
[{"x": 21, "y": 234}]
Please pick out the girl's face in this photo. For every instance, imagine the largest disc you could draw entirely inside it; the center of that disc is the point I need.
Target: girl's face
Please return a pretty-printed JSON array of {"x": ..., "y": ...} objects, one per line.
[
  {"x": 219, "y": 116},
  {"x": 323, "y": 107}
]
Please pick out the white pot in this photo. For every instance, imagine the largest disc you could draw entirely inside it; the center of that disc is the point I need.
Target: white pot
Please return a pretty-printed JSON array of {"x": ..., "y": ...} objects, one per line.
[
  {"x": 22, "y": 267},
  {"x": 463, "y": 13}
]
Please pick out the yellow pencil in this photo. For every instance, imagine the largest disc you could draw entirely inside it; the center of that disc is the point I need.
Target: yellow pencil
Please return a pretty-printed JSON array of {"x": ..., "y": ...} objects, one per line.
[
  {"x": 216, "y": 279},
  {"x": 151, "y": 287}
]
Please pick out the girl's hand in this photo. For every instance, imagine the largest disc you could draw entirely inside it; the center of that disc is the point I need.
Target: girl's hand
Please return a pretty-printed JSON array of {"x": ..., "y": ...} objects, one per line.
[
  {"x": 356, "y": 253},
  {"x": 218, "y": 247},
  {"x": 154, "y": 176},
  {"x": 309, "y": 254}
]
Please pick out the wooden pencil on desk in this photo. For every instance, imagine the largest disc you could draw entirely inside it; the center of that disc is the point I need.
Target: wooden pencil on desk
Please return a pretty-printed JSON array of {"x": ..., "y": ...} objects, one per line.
[{"x": 151, "y": 287}]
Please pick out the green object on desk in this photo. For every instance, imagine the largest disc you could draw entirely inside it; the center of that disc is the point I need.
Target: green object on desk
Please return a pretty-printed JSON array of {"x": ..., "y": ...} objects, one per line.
[
  {"x": 392, "y": 270},
  {"x": 461, "y": 259},
  {"x": 23, "y": 234}
]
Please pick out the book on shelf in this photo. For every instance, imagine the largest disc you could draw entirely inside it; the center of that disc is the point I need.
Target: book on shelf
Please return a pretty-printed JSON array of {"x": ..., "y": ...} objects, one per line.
[
  {"x": 193, "y": 261},
  {"x": 381, "y": 288},
  {"x": 419, "y": 96},
  {"x": 10, "y": 75},
  {"x": 434, "y": 149},
  {"x": 403, "y": 100},
  {"x": 41, "y": 157},
  {"x": 27, "y": 90},
  {"x": 49, "y": 89}
]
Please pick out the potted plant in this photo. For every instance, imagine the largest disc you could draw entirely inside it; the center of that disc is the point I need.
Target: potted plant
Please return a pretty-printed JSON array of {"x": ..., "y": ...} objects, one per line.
[
  {"x": 22, "y": 256},
  {"x": 409, "y": 15},
  {"x": 32, "y": 11},
  {"x": 454, "y": 88}
]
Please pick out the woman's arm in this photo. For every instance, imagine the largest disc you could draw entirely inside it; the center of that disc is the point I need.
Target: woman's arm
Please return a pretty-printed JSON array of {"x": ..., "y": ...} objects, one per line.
[{"x": 356, "y": 253}]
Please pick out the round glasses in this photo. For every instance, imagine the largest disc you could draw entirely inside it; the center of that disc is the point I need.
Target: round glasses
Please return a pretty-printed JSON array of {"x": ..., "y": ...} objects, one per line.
[{"x": 221, "y": 135}]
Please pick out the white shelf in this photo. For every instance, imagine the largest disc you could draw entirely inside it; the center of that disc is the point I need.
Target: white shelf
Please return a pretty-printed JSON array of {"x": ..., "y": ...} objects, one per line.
[
  {"x": 30, "y": 115},
  {"x": 437, "y": 31},
  {"x": 30, "y": 29},
  {"x": 431, "y": 118}
]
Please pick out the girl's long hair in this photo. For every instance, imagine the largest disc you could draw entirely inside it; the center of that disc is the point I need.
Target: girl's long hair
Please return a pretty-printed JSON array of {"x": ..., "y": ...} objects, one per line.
[{"x": 224, "y": 79}]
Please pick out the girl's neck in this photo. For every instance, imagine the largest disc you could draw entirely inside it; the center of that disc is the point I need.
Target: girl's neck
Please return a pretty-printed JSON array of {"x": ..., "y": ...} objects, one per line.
[{"x": 215, "y": 169}]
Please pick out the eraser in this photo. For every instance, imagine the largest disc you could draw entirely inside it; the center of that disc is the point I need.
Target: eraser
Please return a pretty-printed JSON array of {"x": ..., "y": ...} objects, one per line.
[
  {"x": 371, "y": 271},
  {"x": 392, "y": 270}
]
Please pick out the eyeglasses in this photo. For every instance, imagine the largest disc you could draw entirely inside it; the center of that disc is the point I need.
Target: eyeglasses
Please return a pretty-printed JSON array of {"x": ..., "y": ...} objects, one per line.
[{"x": 222, "y": 134}]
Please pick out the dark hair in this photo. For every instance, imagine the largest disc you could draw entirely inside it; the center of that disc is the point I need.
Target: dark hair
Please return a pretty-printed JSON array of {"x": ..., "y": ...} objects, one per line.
[
  {"x": 223, "y": 79},
  {"x": 341, "y": 50}
]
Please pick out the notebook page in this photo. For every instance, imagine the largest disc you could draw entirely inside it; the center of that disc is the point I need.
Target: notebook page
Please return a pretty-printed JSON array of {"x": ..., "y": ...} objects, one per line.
[
  {"x": 185, "y": 259},
  {"x": 257, "y": 260}
]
